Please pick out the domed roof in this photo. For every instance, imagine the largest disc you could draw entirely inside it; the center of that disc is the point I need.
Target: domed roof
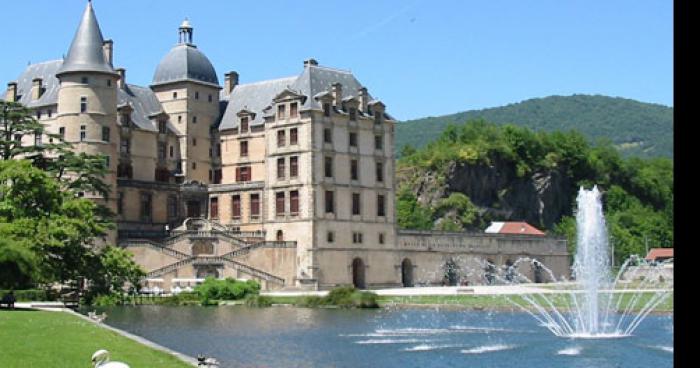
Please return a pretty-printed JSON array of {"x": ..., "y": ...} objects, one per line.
[{"x": 185, "y": 63}]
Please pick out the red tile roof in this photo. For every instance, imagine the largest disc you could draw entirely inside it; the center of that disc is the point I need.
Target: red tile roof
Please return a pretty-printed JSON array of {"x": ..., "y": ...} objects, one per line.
[
  {"x": 656, "y": 253},
  {"x": 520, "y": 228}
]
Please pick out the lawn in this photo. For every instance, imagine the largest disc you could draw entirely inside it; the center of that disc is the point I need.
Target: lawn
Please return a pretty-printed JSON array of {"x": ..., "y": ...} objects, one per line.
[{"x": 37, "y": 339}]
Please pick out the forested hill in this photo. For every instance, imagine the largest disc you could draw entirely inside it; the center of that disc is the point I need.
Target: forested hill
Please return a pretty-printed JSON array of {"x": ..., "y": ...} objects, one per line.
[{"x": 635, "y": 128}]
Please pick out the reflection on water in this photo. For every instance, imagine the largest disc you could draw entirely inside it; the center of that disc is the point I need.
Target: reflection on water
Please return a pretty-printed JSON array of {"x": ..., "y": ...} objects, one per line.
[{"x": 300, "y": 337}]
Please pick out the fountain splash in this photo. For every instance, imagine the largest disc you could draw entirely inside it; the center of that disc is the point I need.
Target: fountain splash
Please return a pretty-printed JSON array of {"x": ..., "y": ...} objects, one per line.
[{"x": 597, "y": 306}]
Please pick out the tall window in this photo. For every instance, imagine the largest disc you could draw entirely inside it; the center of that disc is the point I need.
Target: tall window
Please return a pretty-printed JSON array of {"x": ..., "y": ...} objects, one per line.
[
  {"x": 357, "y": 238},
  {"x": 353, "y": 114},
  {"x": 380, "y": 172},
  {"x": 161, "y": 150},
  {"x": 125, "y": 145},
  {"x": 280, "y": 168},
  {"x": 293, "y": 110},
  {"x": 327, "y": 136},
  {"x": 194, "y": 120},
  {"x": 328, "y": 166},
  {"x": 37, "y": 138},
  {"x": 194, "y": 142},
  {"x": 244, "y": 124},
  {"x": 105, "y": 134},
  {"x": 377, "y": 118},
  {"x": 172, "y": 207},
  {"x": 196, "y": 95},
  {"x": 293, "y": 136},
  {"x": 381, "y": 205},
  {"x": 236, "y": 207},
  {"x": 146, "y": 206},
  {"x": 62, "y": 132},
  {"x": 356, "y": 203},
  {"x": 378, "y": 142},
  {"x": 214, "y": 208},
  {"x": 294, "y": 202},
  {"x": 353, "y": 139},
  {"x": 353, "y": 170},
  {"x": 210, "y": 99},
  {"x": 120, "y": 203},
  {"x": 161, "y": 127},
  {"x": 174, "y": 95},
  {"x": 254, "y": 206},
  {"x": 293, "y": 166},
  {"x": 244, "y": 148},
  {"x": 281, "y": 138},
  {"x": 83, "y": 104},
  {"x": 330, "y": 208},
  {"x": 279, "y": 203},
  {"x": 83, "y": 133},
  {"x": 281, "y": 112},
  {"x": 194, "y": 166},
  {"x": 326, "y": 109},
  {"x": 243, "y": 173},
  {"x": 172, "y": 151}
]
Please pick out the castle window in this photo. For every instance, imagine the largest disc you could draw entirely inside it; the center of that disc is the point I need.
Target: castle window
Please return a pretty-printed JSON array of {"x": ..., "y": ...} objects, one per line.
[
  {"x": 328, "y": 167},
  {"x": 293, "y": 110},
  {"x": 125, "y": 146},
  {"x": 326, "y": 109},
  {"x": 280, "y": 168},
  {"x": 162, "y": 127},
  {"x": 214, "y": 208},
  {"x": 146, "y": 207},
  {"x": 244, "y": 124},
  {"x": 294, "y": 202},
  {"x": 37, "y": 138},
  {"x": 38, "y": 114},
  {"x": 379, "y": 172},
  {"x": 218, "y": 150},
  {"x": 279, "y": 203},
  {"x": 172, "y": 207},
  {"x": 217, "y": 176},
  {"x": 161, "y": 150},
  {"x": 254, "y": 206},
  {"x": 109, "y": 83},
  {"x": 162, "y": 175},
  {"x": 84, "y": 80},
  {"x": 83, "y": 104},
  {"x": 357, "y": 238},
  {"x": 194, "y": 166},
  {"x": 48, "y": 112},
  {"x": 353, "y": 114},
  {"x": 244, "y": 148},
  {"x": 106, "y": 161},
  {"x": 281, "y": 112},
  {"x": 211, "y": 175},
  {"x": 281, "y": 138},
  {"x": 62, "y": 132},
  {"x": 352, "y": 138},
  {"x": 82, "y": 133},
  {"x": 381, "y": 238},
  {"x": 381, "y": 205},
  {"x": 124, "y": 171},
  {"x": 194, "y": 120},
  {"x": 330, "y": 237},
  {"x": 105, "y": 134},
  {"x": 293, "y": 166},
  {"x": 120, "y": 203},
  {"x": 210, "y": 99},
  {"x": 236, "y": 207},
  {"x": 194, "y": 142},
  {"x": 172, "y": 151},
  {"x": 378, "y": 142},
  {"x": 327, "y": 136},
  {"x": 353, "y": 170},
  {"x": 330, "y": 208},
  {"x": 293, "y": 136},
  {"x": 356, "y": 203},
  {"x": 280, "y": 236},
  {"x": 243, "y": 173},
  {"x": 174, "y": 95},
  {"x": 179, "y": 119},
  {"x": 18, "y": 138},
  {"x": 196, "y": 95}
]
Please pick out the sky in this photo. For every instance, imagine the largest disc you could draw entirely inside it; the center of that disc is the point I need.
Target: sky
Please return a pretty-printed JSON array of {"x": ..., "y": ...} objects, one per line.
[{"x": 420, "y": 57}]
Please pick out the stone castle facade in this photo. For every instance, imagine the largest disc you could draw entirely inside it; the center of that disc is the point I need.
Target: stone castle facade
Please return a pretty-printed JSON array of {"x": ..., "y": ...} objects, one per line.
[{"x": 288, "y": 181}]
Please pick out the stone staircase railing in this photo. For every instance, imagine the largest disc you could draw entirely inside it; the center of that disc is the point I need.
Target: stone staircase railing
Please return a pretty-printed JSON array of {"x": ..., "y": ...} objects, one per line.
[
  {"x": 210, "y": 259},
  {"x": 153, "y": 245},
  {"x": 263, "y": 244}
]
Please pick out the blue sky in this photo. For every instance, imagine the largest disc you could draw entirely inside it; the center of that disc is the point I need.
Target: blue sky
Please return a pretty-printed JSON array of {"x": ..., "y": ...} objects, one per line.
[{"x": 421, "y": 57}]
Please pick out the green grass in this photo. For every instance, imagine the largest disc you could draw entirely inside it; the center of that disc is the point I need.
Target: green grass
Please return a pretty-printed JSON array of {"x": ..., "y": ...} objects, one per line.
[{"x": 37, "y": 339}]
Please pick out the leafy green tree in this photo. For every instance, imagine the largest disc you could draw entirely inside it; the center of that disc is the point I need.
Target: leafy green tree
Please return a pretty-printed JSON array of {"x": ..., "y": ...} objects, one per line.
[
  {"x": 18, "y": 265},
  {"x": 116, "y": 269},
  {"x": 410, "y": 214}
]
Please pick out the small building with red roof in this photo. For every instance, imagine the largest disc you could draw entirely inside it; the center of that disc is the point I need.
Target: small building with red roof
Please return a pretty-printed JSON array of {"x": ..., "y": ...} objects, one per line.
[
  {"x": 513, "y": 228},
  {"x": 659, "y": 254}
]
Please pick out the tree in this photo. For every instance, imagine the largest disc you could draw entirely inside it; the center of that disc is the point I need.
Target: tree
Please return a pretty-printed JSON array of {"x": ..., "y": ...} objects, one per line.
[
  {"x": 115, "y": 269},
  {"x": 18, "y": 266}
]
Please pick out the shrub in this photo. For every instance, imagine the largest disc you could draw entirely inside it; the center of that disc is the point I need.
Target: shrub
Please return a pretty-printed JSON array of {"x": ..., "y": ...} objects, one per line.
[
  {"x": 30, "y": 295},
  {"x": 258, "y": 301},
  {"x": 311, "y": 301},
  {"x": 106, "y": 300},
  {"x": 228, "y": 289}
]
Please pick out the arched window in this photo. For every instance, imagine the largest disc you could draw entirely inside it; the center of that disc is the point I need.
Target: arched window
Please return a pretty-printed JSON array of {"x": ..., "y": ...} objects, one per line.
[{"x": 280, "y": 235}]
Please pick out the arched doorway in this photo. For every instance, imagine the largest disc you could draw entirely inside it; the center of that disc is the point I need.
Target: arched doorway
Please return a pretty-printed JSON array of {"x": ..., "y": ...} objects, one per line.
[
  {"x": 358, "y": 273},
  {"x": 280, "y": 235},
  {"x": 407, "y": 273}
]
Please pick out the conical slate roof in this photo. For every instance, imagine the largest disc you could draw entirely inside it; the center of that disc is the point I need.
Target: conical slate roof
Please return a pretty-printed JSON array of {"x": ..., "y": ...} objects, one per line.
[{"x": 85, "y": 53}]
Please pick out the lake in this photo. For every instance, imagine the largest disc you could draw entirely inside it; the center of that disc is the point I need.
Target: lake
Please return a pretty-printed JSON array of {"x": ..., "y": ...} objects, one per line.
[{"x": 239, "y": 336}]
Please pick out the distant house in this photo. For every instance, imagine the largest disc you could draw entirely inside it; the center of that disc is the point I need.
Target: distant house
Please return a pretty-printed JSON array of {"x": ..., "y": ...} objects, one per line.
[
  {"x": 513, "y": 228},
  {"x": 659, "y": 254}
]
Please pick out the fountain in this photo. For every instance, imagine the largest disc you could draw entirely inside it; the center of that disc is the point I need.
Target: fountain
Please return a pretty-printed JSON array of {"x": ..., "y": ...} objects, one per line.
[{"x": 598, "y": 306}]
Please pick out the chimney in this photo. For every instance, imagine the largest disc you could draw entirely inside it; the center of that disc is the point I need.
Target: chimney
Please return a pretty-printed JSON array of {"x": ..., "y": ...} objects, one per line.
[
  {"x": 121, "y": 83},
  {"x": 337, "y": 91},
  {"x": 230, "y": 81},
  {"x": 36, "y": 88},
  {"x": 108, "y": 50},
  {"x": 11, "y": 95},
  {"x": 311, "y": 61},
  {"x": 364, "y": 99}
]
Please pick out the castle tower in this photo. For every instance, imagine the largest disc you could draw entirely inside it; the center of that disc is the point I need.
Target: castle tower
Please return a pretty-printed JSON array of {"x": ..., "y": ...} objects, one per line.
[
  {"x": 187, "y": 87},
  {"x": 87, "y": 101}
]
